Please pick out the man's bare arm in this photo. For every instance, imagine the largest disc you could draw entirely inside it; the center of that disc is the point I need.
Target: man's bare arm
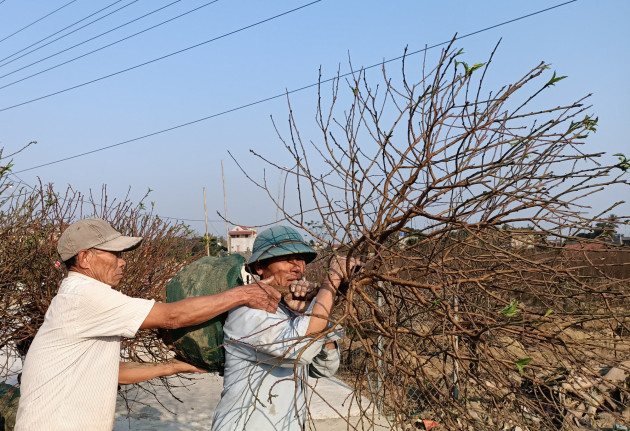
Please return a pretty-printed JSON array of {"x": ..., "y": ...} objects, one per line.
[
  {"x": 196, "y": 310},
  {"x": 322, "y": 308},
  {"x": 325, "y": 298},
  {"x": 135, "y": 372}
]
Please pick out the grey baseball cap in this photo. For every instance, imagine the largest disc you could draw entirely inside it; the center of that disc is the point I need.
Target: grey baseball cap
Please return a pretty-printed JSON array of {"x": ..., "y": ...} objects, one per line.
[{"x": 93, "y": 233}]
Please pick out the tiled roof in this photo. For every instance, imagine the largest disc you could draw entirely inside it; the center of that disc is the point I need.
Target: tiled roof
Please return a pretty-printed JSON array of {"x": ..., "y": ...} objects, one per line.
[{"x": 242, "y": 230}]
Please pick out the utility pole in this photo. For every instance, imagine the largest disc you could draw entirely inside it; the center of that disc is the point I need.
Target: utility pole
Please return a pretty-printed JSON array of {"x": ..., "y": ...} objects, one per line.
[
  {"x": 227, "y": 234},
  {"x": 379, "y": 348},
  {"x": 205, "y": 213}
]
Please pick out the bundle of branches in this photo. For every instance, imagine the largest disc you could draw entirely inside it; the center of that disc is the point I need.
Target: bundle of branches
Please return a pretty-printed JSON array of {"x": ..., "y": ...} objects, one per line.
[
  {"x": 31, "y": 221},
  {"x": 466, "y": 320}
]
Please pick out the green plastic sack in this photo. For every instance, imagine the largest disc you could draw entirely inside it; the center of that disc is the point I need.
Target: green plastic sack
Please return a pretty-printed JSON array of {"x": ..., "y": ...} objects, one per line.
[
  {"x": 199, "y": 345},
  {"x": 9, "y": 399}
]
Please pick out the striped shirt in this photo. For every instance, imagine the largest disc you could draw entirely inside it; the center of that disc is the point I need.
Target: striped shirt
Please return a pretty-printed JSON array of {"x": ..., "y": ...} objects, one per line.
[{"x": 70, "y": 375}]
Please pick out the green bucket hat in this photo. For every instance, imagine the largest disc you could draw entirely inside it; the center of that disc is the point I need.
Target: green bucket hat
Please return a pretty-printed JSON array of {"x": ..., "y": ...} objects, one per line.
[{"x": 279, "y": 241}]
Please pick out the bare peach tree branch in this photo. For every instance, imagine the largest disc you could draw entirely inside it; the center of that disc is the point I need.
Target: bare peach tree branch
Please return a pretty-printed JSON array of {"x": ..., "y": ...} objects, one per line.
[{"x": 487, "y": 297}]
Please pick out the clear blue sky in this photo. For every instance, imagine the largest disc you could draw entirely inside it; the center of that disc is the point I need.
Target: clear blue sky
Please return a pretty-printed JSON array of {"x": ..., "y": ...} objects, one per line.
[{"x": 585, "y": 40}]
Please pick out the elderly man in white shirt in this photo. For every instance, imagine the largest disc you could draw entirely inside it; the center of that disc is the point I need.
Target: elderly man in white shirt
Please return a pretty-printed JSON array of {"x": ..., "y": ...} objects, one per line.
[{"x": 72, "y": 369}]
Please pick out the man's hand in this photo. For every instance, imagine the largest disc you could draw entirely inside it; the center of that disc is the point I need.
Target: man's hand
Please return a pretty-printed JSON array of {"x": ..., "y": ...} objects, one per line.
[
  {"x": 337, "y": 271},
  {"x": 300, "y": 294},
  {"x": 183, "y": 367},
  {"x": 302, "y": 289},
  {"x": 261, "y": 295}
]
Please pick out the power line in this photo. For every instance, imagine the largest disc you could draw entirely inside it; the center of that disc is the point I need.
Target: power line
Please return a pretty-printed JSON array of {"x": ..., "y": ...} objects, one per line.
[
  {"x": 238, "y": 108},
  {"x": 57, "y": 32},
  {"x": 12, "y": 174},
  {"x": 164, "y": 56},
  {"x": 36, "y": 21},
  {"x": 101, "y": 48},
  {"x": 85, "y": 41}
]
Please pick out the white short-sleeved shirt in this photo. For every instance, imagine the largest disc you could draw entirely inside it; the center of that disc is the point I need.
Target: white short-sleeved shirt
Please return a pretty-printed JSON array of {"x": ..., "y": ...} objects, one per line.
[{"x": 70, "y": 375}]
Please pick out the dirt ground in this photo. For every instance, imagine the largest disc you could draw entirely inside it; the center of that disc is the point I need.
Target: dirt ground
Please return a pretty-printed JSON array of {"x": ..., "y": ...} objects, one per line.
[{"x": 199, "y": 400}]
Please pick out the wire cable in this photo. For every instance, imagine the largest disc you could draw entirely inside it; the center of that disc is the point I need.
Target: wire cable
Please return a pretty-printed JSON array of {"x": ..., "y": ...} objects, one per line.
[
  {"x": 247, "y": 105},
  {"x": 281, "y": 95},
  {"x": 85, "y": 41},
  {"x": 59, "y": 31},
  {"x": 71, "y": 32},
  {"x": 36, "y": 21},
  {"x": 164, "y": 56},
  {"x": 101, "y": 48}
]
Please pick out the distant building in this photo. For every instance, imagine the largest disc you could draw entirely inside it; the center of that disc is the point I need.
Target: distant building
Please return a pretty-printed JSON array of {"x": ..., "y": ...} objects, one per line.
[
  {"x": 620, "y": 239},
  {"x": 317, "y": 246},
  {"x": 601, "y": 244},
  {"x": 242, "y": 239},
  {"x": 526, "y": 239}
]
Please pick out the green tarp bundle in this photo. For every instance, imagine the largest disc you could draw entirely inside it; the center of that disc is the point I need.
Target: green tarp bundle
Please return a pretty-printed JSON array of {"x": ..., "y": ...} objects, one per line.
[
  {"x": 9, "y": 398},
  {"x": 198, "y": 345}
]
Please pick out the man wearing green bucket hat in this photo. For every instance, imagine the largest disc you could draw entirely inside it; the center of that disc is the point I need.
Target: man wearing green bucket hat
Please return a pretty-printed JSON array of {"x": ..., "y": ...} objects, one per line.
[{"x": 269, "y": 356}]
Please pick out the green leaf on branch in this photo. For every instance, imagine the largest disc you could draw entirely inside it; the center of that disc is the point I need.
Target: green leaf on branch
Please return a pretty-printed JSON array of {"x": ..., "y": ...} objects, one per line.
[
  {"x": 468, "y": 70},
  {"x": 474, "y": 67},
  {"x": 624, "y": 163},
  {"x": 511, "y": 310},
  {"x": 51, "y": 199},
  {"x": 554, "y": 79},
  {"x": 590, "y": 123},
  {"x": 548, "y": 312},
  {"x": 521, "y": 364}
]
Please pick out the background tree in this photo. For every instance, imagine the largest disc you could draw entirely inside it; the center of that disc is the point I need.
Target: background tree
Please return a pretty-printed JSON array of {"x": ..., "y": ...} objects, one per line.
[
  {"x": 5, "y": 168},
  {"x": 31, "y": 222},
  {"x": 216, "y": 245},
  {"x": 605, "y": 228}
]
